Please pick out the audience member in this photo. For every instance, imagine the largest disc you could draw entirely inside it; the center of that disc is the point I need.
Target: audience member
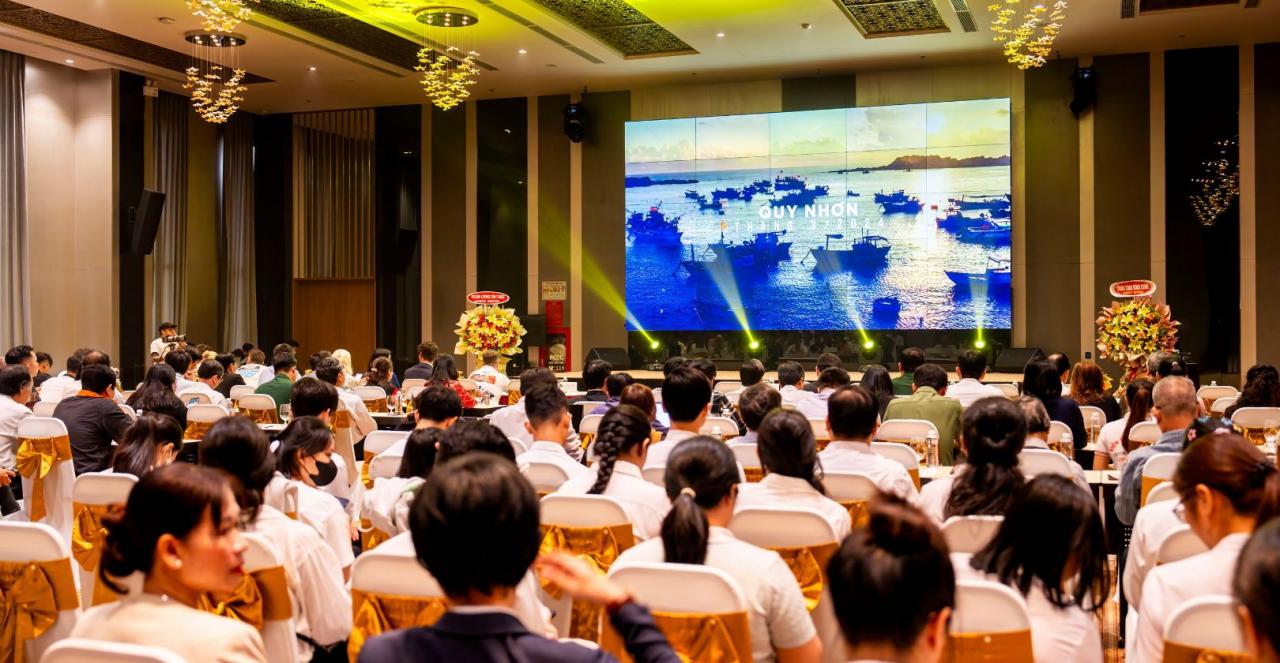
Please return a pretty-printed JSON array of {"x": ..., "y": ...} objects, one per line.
[
  {"x": 285, "y": 370},
  {"x": 1038, "y": 426},
  {"x": 253, "y": 368},
  {"x": 44, "y": 363},
  {"x": 751, "y": 373},
  {"x": 641, "y": 396},
  {"x": 379, "y": 375},
  {"x": 427, "y": 352},
  {"x": 791, "y": 384},
  {"x": 686, "y": 396},
  {"x": 1062, "y": 368},
  {"x": 179, "y": 529},
  {"x": 329, "y": 371},
  {"x": 1257, "y": 588},
  {"x": 672, "y": 363},
  {"x": 619, "y": 448},
  {"x": 151, "y": 442},
  {"x": 755, "y": 402},
  {"x": 305, "y": 445},
  {"x": 157, "y": 395},
  {"x": 1114, "y": 444},
  {"x": 314, "y": 360},
  {"x": 793, "y": 474},
  {"x": 1041, "y": 379},
  {"x": 445, "y": 374},
  {"x": 511, "y": 420},
  {"x": 386, "y": 504},
  {"x": 594, "y": 376},
  {"x": 93, "y": 419},
  {"x": 344, "y": 359},
  {"x": 15, "y": 393},
  {"x": 1088, "y": 388},
  {"x": 825, "y": 360},
  {"x": 852, "y": 424},
  {"x": 908, "y": 361},
  {"x": 928, "y": 401},
  {"x": 993, "y": 432},
  {"x": 971, "y": 368},
  {"x": 57, "y": 386},
  {"x": 720, "y": 405},
  {"x": 1176, "y": 407},
  {"x": 877, "y": 381},
  {"x": 1171, "y": 365},
  {"x": 548, "y": 423},
  {"x": 702, "y": 483},
  {"x": 208, "y": 377},
  {"x": 25, "y": 356},
  {"x": 1051, "y": 549},
  {"x": 230, "y": 375},
  {"x": 180, "y": 362},
  {"x": 488, "y": 378},
  {"x": 1261, "y": 389},
  {"x": 613, "y": 386}
]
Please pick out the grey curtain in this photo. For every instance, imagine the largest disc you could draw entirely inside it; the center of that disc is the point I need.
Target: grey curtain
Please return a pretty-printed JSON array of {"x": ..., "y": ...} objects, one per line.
[
  {"x": 15, "y": 294},
  {"x": 333, "y": 206},
  {"x": 169, "y": 259},
  {"x": 239, "y": 303}
]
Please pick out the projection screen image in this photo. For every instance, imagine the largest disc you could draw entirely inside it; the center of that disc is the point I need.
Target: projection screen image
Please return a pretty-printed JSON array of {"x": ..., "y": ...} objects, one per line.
[{"x": 890, "y": 217}]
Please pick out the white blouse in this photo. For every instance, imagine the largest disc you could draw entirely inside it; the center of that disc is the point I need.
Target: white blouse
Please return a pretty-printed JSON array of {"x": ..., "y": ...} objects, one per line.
[
  {"x": 161, "y": 622},
  {"x": 777, "y": 490},
  {"x": 1154, "y": 522},
  {"x": 1109, "y": 441},
  {"x": 646, "y": 504},
  {"x": 889, "y": 475},
  {"x": 553, "y": 453},
  {"x": 320, "y": 510}
]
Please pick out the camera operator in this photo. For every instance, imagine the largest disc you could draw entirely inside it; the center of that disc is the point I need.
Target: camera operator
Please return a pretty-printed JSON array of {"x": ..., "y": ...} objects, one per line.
[{"x": 168, "y": 340}]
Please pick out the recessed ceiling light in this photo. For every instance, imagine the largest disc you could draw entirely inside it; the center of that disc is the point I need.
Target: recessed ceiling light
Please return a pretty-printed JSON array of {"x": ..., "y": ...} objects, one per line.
[
  {"x": 312, "y": 68},
  {"x": 522, "y": 51},
  {"x": 719, "y": 34},
  {"x": 70, "y": 61},
  {"x": 506, "y": 131},
  {"x": 805, "y": 26},
  {"x": 166, "y": 20}
]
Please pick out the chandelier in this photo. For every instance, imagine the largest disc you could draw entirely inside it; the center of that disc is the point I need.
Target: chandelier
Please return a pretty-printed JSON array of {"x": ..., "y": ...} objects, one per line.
[
  {"x": 214, "y": 77},
  {"x": 220, "y": 15},
  {"x": 1029, "y": 43},
  {"x": 1219, "y": 184},
  {"x": 449, "y": 73}
]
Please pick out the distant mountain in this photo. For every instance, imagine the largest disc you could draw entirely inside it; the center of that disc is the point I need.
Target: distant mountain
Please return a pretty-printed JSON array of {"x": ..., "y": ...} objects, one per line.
[
  {"x": 649, "y": 181},
  {"x": 913, "y": 161}
]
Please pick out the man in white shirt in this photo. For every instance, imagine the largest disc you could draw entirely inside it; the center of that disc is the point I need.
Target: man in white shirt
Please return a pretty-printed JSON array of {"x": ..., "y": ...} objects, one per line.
[
  {"x": 252, "y": 368},
  {"x": 851, "y": 421},
  {"x": 1038, "y": 436},
  {"x": 549, "y": 424},
  {"x": 329, "y": 370},
  {"x": 686, "y": 396},
  {"x": 160, "y": 345},
  {"x": 791, "y": 385},
  {"x": 489, "y": 378},
  {"x": 209, "y": 377},
  {"x": 971, "y": 368},
  {"x": 56, "y": 387},
  {"x": 180, "y": 362},
  {"x": 829, "y": 380},
  {"x": 15, "y": 390},
  {"x": 511, "y": 419}
]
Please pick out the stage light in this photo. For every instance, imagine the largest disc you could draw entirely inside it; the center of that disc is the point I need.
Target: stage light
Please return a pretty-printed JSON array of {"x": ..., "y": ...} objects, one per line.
[
  {"x": 979, "y": 344},
  {"x": 868, "y": 344},
  {"x": 654, "y": 344},
  {"x": 754, "y": 344}
]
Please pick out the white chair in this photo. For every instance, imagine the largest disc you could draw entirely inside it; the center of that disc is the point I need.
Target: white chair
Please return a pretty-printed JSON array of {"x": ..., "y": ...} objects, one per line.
[
  {"x": 191, "y": 397},
  {"x": 240, "y": 391},
  {"x": 1058, "y": 431},
  {"x": 278, "y": 635},
  {"x": 1035, "y": 462},
  {"x": 657, "y": 395},
  {"x": 1211, "y": 393},
  {"x": 412, "y": 383},
  {"x": 98, "y": 489},
  {"x": 849, "y": 486},
  {"x": 655, "y": 475},
  {"x": 727, "y": 386},
  {"x": 262, "y": 407},
  {"x": 384, "y": 466},
  {"x": 545, "y": 477},
  {"x": 468, "y": 384},
  {"x": 44, "y": 408},
  {"x": 902, "y": 454},
  {"x": 903, "y": 430},
  {"x": 380, "y": 440},
  {"x": 344, "y": 442},
  {"x": 517, "y": 446},
  {"x": 1206, "y": 622},
  {"x": 75, "y": 650},
  {"x": 204, "y": 413},
  {"x": 590, "y": 424},
  {"x": 748, "y": 457},
  {"x": 1158, "y": 468},
  {"x": 683, "y": 589},
  {"x": 381, "y": 572},
  {"x": 1162, "y": 492},
  {"x": 820, "y": 432},
  {"x": 1009, "y": 390},
  {"x": 373, "y": 394},
  {"x": 989, "y": 608},
  {"x": 1220, "y": 405},
  {"x": 411, "y": 393},
  {"x": 1094, "y": 420},
  {"x": 969, "y": 534},
  {"x": 37, "y": 542},
  {"x": 129, "y": 412},
  {"x": 576, "y": 511},
  {"x": 781, "y": 527},
  {"x": 1144, "y": 433},
  {"x": 1179, "y": 544},
  {"x": 57, "y": 483},
  {"x": 722, "y": 427},
  {"x": 1255, "y": 417}
]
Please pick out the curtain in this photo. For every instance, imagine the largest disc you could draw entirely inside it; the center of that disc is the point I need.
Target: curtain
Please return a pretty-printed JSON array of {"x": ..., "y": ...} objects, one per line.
[
  {"x": 239, "y": 303},
  {"x": 15, "y": 293},
  {"x": 169, "y": 258},
  {"x": 333, "y": 188}
]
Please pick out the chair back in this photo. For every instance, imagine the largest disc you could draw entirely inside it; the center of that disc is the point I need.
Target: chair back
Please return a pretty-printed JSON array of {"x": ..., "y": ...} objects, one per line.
[
  {"x": 1252, "y": 422},
  {"x": 1211, "y": 393},
  {"x": 380, "y": 440},
  {"x": 1144, "y": 433},
  {"x": 374, "y": 397},
  {"x": 259, "y": 407},
  {"x": 1161, "y": 492},
  {"x": 1035, "y": 462},
  {"x": 820, "y": 432},
  {"x": 853, "y": 491},
  {"x": 1220, "y": 405},
  {"x": 1008, "y": 389},
  {"x": 45, "y": 464},
  {"x": 1158, "y": 468},
  {"x": 721, "y": 427},
  {"x": 411, "y": 394},
  {"x": 969, "y": 534},
  {"x": 191, "y": 397},
  {"x": 384, "y": 466},
  {"x": 684, "y": 597},
  {"x": 657, "y": 395},
  {"x": 1058, "y": 434},
  {"x": 804, "y": 539},
  {"x": 389, "y": 591},
  {"x": 582, "y": 511},
  {"x": 240, "y": 391},
  {"x": 1205, "y": 628},
  {"x": 468, "y": 384},
  {"x": 727, "y": 386},
  {"x": 92, "y": 495},
  {"x": 263, "y": 565},
  {"x": 200, "y": 418},
  {"x": 910, "y": 432},
  {"x": 655, "y": 474},
  {"x": 44, "y": 408},
  {"x": 590, "y": 424},
  {"x": 75, "y": 650},
  {"x": 1094, "y": 420},
  {"x": 596, "y": 529},
  {"x": 344, "y": 442},
  {"x": 902, "y": 454},
  {"x": 412, "y": 383},
  {"x": 748, "y": 457},
  {"x": 990, "y": 623},
  {"x": 518, "y": 446},
  {"x": 23, "y": 545},
  {"x": 545, "y": 477},
  {"x": 1179, "y": 544}
]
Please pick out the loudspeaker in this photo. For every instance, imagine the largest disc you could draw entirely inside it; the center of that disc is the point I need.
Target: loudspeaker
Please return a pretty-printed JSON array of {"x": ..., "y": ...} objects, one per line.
[
  {"x": 535, "y": 330},
  {"x": 402, "y": 251},
  {"x": 146, "y": 221},
  {"x": 575, "y": 122},
  {"x": 617, "y": 357},
  {"x": 1013, "y": 360},
  {"x": 1084, "y": 86}
]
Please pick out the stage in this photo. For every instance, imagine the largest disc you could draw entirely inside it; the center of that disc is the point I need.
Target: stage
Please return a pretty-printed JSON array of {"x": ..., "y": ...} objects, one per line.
[{"x": 654, "y": 378}]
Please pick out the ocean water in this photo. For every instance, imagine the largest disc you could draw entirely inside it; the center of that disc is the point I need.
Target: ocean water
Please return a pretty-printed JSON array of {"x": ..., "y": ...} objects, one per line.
[{"x": 794, "y": 296}]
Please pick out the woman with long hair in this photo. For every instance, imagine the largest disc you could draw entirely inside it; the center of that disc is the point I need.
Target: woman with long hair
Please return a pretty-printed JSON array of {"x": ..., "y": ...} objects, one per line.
[
  {"x": 151, "y": 442},
  {"x": 1257, "y": 589},
  {"x": 1261, "y": 389},
  {"x": 793, "y": 474},
  {"x": 877, "y": 380},
  {"x": 621, "y": 444},
  {"x": 1087, "y": 388},
  {"x": 305, "y": 446},
  {"x": 702, "y": 482},
  {"x": 158, "y": 395},
  {"x": 445, "y": 374},
  {"x": 384, "y": 353},
  {"x": 380, "y": 374},
  {"x": 386, "y": 504},
  {"x": 179, "y": 528},
  {"x": 1051, "y": 549},
  {"x": 641, "y": 396},
  {"x": 993, "y": 431},
  {"x": 344, "y": 359},
  {"x": 1225, "y": 487},
  {"x": 1041, "y": 379},
  {"x": 1114, "y": 444}
]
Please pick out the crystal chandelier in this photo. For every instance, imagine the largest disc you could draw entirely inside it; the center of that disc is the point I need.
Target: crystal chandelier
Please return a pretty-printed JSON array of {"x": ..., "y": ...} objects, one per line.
[
  {"x": 1029, "y": 43},
  {"x": 220, "y": 15},
  {"x": 448, "y": 74},
  {"x": 214, "y": 77},
  {"x": 1219, "y": 184}
]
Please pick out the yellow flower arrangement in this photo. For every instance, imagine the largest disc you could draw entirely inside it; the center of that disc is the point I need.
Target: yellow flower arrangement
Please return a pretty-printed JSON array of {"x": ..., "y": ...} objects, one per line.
[
  {"x": 489, "y": 328},
  {"x": 1130, "y": 331}
]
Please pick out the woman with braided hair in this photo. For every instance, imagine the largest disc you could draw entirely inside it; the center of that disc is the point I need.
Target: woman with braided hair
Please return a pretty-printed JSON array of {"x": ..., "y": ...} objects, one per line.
[{"x": 621, "y": 444}]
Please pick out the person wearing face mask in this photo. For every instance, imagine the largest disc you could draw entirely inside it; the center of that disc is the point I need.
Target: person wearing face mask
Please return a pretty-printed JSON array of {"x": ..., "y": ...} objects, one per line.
[
  {"x": 179, "y": 528},
  {"x": 306, "y": 445}
]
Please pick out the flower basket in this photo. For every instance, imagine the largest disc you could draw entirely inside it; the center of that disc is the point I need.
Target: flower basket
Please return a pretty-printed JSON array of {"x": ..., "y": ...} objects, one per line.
[
  {"x": 1131, "y": 330},
  {"x": 489, "y": 328}
]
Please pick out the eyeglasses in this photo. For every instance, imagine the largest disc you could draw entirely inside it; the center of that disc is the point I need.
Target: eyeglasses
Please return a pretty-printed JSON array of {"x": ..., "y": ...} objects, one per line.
[{"x": 1180, "y": 509}]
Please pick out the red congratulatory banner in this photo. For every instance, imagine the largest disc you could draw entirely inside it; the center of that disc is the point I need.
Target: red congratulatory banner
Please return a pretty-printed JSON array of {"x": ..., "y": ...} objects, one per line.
[
  {"x": 488, "y": 298},
  {"x": 1135, "y": 288}
]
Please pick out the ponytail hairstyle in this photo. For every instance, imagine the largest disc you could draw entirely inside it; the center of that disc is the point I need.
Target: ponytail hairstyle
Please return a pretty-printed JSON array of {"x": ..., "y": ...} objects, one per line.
[
  {"x": 701, "y": 472},
  {"x": 168, "y": 500},
  {"x": 1257, "y": 586},
  {"x": 787, "y": 447},
  {"x": 136, "y": 454},
  {"x": 994, "y": 430},
  {"x": 1233, "y": 466},
  {"x": 623, "y": 428},
  {"x": 1138, "y": 396},
  {"x": 304, "y": 436}
]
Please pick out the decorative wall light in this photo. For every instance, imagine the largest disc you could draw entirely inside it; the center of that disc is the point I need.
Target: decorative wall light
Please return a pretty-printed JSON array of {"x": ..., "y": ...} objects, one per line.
[
  {"x": 221, "y": 15},
  {"x": 215, "y": 77},
  {"x": 1029, "y": 43},
  {"x": 1219, "y": 183},
  {"x": 449, "y": 74}
]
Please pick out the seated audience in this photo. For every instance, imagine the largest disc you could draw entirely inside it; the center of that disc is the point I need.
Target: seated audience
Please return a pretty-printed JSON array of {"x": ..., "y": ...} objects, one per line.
[
  {"x": 328, "y": 370},
  {"x": 971, "y": 368},
  {"x": 344, "y": 359},
  {"x": 179, "y": 529},
  {"x": 384, "y": 353},
  {"x": 1051, "y": 549},
  {"x": 1038, "y": 436},
  {"x": 751, "y": 373},
  {"x": 511, "y": 420},
  {"x": 379, "y": 375},
  {"x": 15, "y": 393},
  {"x": 422, "y": 370},
  {"x": 1226, "y": 487},
  {"x": 1062, "y": 368},
  {"x": 208, "y": 377},
  {"x": 386, "y": 504},
  {"x": 445, "y": 374},
  {"x": 285, "y": 371},
  {"x": 755, "y": 402},
  {"x": 488, "y": 378},
  {"x": 928, "y": 401},
  {"x": 893, "y": 587},
  {"x": 992, "y": 434},
  {"x": 321, "y": 602},
  {"x": 791, "y": 384},
  {"x": 473, "y": 435},
  {"x": 157, "y": 395},
  {"x": 152, "y": 441},
  {"x": 1171, "y": 365},
  {"x": 720, "y": 405},
  {"x": 877, "y": 381},
  {"x": 44, "y": 363},
  {"x": 614, "y": 386},
  {"x": 1087, "y": 388},
  {"x": 825, "y": 360},
  {"x": 1176, "y": 407},
  {"x": 594, "y": 376},
  {"x": 1114, "y": 444},
  {"x": 852, "y": 423},
  {"x": 180, "y": 362},
  {"x": 1257, "y": 588},
  {"x": 304, "y": 445},
  {"x": 252, "y": 369},
  {"x": 268, "y": 373},
  {"x": 53, "y": 389},
  {"x": 686, "y": 396},
  {"x": 548, "y": 411},
  {"x": 641, "y": 396},
  {"x": 1041, "y": 379},
  {"x": 230, "y": 375},
  {"x": 475, "y": 528},
  {"x": 908, "y": 361},
  {"x": 789, "y": 455},
  {"x": 1261, "y": 389},
  {"x": 702, "y": 482},
  {"x": 24, "y": 356},
  {"x": 620, "y": 446},
  {"x": 672, "y": 363},
  {"x": 93, "y": 419},
  {"x": 434, "y": 407}
]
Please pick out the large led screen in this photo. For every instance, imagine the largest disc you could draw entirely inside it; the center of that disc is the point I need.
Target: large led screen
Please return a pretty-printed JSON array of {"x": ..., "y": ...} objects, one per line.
[{"x": 890, "y": 217}]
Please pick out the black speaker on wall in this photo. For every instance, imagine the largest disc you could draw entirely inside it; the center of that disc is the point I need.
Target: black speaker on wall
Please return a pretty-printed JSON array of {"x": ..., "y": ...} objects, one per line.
[
  {"x": 575, "y": 122},
  {"x": 146, "y": 222},
  {"x": 1084, "y": 88},
  {"x": 535, "y": 328},
  {"x": 617, "y": 357},
  {"x": 1013, "y": 360}
]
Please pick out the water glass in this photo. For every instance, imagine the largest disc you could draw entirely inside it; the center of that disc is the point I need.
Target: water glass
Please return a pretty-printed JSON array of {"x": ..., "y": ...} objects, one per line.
[
  {"x": 921, "y": 446},
  {"x": 1066, "y": 445},
  {"x": 935, "y": 452},
  {"x": 286, "y": 412},
  {"x": 1270, "y": 431}
]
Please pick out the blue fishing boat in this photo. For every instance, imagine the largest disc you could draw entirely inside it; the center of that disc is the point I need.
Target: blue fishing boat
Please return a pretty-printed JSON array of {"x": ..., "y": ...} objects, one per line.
[
  {"x": 800, "y": 197},
  {"x": 788, "y": 183},
  {"x": 894, "y": 197},
  {"x": 764, "y": 250},
  {"x": 953, "y": 219},
  {"x": 988, "y": 232},
  {"x": 866, "y": 252},
  {"x": 911, "y": 205},
  {"x": 998, "y": 275},
  {"x": 654, "y": 227},
  {"x": 692, "y": 194},
  {"x": 981, "y": 201}
]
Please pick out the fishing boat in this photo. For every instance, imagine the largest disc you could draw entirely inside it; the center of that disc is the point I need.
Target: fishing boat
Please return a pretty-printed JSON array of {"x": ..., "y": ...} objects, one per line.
[
  {"x": 911, "y": 205},
  {"x": 886, "y": 307},
  {"x": 997, "y": 275},
  {"x": 868, "y": 251},
  {"x": 981, "y": 201},
  {"x": 692, "y": 194},
  {"x": 654, "y": 227},
  {"x": 1001, "y": 212},
  {"x": 954, "y": 219},
  {"x": 801, "y": 196},
  {"x": 988, "y": 232},
  {"x": 788, "y": 183},
  {"x": 714, "y": 205},
  {"x": 852, "y": 194},
  {"x": 894, "y": 197},
  {"x": 764, "y": 250}
]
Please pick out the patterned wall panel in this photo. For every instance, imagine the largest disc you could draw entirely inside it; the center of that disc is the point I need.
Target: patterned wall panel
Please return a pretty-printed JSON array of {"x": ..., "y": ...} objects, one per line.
[
  {"x": 619, "y": 26},
  {"x": 887, "y": 18}
]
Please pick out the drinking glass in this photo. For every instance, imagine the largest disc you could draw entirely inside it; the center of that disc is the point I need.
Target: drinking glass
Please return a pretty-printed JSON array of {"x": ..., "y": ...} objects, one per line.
[
  {"x": 921, "y": 446},
  {"x": 286, "y": 412},
  {"x": 1066, "y": 445},
  {"x": 935, "y": 452},
  {"x": 1270, "y": 431}
]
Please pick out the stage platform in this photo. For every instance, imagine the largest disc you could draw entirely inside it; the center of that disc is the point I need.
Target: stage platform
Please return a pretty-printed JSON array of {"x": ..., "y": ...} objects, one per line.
[{"x": 654, "y": 378}]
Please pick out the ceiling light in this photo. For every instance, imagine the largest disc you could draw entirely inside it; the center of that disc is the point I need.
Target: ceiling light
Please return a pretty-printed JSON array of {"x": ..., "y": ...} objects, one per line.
[
  {"x": 522, "y": 51},
  {"x": 70, "y": 61},
  {"x": 312, "y": 68},
  {"x": 805, "y": 26},
  {"x": 506, "y": 131},
  {"x": 719, "y": 34}
]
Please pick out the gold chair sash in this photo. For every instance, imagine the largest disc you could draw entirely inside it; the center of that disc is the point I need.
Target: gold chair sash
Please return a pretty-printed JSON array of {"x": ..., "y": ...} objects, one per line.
[
  {"x": 263, "y": 596},
  {"x": 371, "y": 537},
  {"x": 196, "y": 430},
  {"x": 858, "y": 513},
  {"x": 31, "y": 595},
  {"x": 809, "y": 565},
  {"x": 1147, "y": 484},
  {"x": 375, "y": 614},
  {"x": 585, "y": 439},
  {"x": 36, "y": 458},
  {"x": 513, "y": 396},
  {"x": 364, "y": 470},
  {"x": 87, "y": 537},
  {"x": 263, "y": 416},
  {"x": 754, "y": 474},
  {"x": 915, "y": 477},
  {"x": 599, "y": 547},
  {"x": 376, "y": 404},
  {"x": 1256, "y": 435},
  {"x": 1179, "y": 653},
  {"x": 341, "y": 419},
  {"x": 696, "y": 638},
  {"x": 1010, "y": 647}
]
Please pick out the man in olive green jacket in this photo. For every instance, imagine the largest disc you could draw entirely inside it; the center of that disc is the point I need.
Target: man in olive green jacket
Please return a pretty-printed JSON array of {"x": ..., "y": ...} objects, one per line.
[
  {"x": 908, "y": 362},
  {"x": 928, "y": 401},
  {"x": 280, "y": 387}
]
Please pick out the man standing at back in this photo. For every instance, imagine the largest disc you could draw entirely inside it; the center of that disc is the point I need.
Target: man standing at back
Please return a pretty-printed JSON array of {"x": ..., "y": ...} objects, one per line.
[
  {"x": 93, "y": 419},
  {"x": 928, "y": 401},
  {"x": 422, "y": 370},
  {"x": 971, "y": 367}
]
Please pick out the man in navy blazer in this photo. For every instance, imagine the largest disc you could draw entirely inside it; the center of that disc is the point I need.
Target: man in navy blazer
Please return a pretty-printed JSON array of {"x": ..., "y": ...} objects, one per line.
[{"x": 475, "y": 527}]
